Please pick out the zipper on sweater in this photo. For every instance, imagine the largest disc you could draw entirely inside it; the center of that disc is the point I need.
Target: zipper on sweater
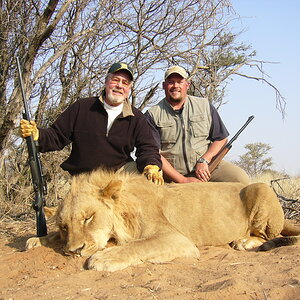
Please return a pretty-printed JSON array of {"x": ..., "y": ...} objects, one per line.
[
  {"x": 183, "y": 144},
  {"x": 112, "y": 124},
  {"x": 108, "y": 130}
]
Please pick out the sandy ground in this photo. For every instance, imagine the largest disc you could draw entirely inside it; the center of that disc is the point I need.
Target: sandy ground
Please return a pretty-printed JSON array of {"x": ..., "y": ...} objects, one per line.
[{"x": 220, "y": 273}]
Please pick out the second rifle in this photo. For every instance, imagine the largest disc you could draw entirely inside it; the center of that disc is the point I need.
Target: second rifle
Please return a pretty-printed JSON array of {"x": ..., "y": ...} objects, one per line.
[{"x": 216, "y": 160}]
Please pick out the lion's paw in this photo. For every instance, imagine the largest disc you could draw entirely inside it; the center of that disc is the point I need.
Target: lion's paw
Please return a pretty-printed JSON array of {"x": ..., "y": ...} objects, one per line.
[
  {"x": 33, "y": 242},
  {"x": 102, "y": 261},
  {"x": 239, "y": 244},
  {"x": 247, "y": 243},
  {"x": 46, "y": 240}
]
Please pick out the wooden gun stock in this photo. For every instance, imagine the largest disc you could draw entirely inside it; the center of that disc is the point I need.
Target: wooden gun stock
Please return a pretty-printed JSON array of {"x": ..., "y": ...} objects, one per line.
[{"x": 216, "y": 160}]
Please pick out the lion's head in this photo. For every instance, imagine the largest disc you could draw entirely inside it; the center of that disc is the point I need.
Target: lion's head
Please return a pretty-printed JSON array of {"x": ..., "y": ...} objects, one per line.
[{"x": 92, "y": 213}]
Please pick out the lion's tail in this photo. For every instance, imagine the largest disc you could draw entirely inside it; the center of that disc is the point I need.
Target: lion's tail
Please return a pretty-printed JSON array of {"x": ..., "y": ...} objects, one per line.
[
  {"x": 291, "y": 236},
  {"x": 279, "y": 242}
]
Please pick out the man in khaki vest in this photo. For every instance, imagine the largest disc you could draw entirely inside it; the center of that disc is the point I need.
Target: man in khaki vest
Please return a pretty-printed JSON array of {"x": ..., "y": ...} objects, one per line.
[{"x": 189, "y": 132}]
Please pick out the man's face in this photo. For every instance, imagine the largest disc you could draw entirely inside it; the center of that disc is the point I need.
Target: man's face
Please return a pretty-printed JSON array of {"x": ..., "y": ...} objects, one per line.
[
  {"x": 175, "y": 87},
  {"x": 117, "y": 87}
]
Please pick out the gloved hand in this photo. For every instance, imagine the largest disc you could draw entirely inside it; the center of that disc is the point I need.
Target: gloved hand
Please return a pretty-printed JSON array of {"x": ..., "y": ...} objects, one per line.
[
  {"x": 153, "y": 174},
  {"x": 28, "y": 128}
]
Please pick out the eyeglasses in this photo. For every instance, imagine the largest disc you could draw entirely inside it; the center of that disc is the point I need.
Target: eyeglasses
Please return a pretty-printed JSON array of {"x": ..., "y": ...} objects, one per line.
[
  {"x": 173, "y": 82},
  {"x": 120, "y": 81}
]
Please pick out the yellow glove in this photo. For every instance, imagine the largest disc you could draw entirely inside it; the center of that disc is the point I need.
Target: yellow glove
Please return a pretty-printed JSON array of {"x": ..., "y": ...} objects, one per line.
[
  {"x": 153, "y": 174},
  {"x": 28, "y": 128}
]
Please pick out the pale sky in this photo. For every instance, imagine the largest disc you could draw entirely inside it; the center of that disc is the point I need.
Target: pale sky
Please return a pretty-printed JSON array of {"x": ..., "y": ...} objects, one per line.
[{"x": 272, "y": 28}]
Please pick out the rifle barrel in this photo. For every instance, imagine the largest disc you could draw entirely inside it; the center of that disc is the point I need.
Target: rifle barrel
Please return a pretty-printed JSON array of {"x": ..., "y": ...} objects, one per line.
[
  {"x": 216, "y": 160},
  {"x": 26, "y": 111},
  {"x": 240, "y": 131}
]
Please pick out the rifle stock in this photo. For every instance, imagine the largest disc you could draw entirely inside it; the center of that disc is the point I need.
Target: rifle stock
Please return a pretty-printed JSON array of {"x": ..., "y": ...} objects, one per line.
[
  {"x": 37, "y": 177},
  {"x": 217, "y": 159}
]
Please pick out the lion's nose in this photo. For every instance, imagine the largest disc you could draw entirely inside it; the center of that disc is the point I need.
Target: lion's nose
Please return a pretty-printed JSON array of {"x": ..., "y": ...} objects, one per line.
[{"x": 76, "y": 251}]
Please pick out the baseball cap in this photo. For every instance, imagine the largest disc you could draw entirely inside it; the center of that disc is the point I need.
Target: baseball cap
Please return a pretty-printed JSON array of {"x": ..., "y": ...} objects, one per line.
[
  {"x": 178, "y": 70},
  {"x": 120, "y": 66}
]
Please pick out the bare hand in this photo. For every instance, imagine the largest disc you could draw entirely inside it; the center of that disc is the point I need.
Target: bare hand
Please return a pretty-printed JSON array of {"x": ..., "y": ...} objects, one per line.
[
  {"x": 202, "y": 172},
  {"x": 190, "y": 179}
]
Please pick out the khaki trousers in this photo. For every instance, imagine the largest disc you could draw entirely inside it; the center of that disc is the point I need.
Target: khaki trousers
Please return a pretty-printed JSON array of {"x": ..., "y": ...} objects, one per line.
[
  {"x": 229, "y": 172},
  {"x": 224, "y": 172}
]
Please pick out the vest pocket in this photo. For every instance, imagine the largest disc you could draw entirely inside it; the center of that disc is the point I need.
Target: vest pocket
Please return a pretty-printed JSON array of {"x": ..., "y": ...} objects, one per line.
[
  {"x": 199, "y": 125},
  {"x": 167, "y": 132}
]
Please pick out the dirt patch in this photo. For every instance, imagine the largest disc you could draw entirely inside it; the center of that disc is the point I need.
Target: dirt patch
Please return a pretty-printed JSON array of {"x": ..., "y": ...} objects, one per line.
[{"x": 220, "y": 273}]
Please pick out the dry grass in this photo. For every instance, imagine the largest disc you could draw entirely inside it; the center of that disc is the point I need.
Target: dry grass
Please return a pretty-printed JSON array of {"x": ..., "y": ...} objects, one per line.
[{"x": 287, "y": 190}]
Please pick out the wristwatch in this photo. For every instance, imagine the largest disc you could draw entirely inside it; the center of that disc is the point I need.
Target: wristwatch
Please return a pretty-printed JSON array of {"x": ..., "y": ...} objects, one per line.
[{"x": 202, "y": 160}]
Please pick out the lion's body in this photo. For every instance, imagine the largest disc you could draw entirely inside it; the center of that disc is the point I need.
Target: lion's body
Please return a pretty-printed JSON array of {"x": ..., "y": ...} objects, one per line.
[
  {"x": 160, "y": 223},
  {"x": 218, "y": 212}
]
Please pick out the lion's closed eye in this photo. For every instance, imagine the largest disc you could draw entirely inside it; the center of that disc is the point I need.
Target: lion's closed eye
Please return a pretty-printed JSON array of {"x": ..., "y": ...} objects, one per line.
[
  {"x": 63, "y": 228},
  {"x": 89, "y": 219}
]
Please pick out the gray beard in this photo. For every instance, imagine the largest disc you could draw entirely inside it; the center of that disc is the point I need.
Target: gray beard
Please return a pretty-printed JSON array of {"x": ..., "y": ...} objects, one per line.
[{"x": 115, "y": 99}]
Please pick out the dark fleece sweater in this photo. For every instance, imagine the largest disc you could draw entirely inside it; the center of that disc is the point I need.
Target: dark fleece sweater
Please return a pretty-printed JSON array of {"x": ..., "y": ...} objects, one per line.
[{"x": 84, "y": 124}]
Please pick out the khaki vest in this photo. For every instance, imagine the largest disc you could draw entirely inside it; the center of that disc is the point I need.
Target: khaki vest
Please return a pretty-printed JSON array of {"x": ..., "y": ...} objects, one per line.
[{"x": 184, "y": 137}]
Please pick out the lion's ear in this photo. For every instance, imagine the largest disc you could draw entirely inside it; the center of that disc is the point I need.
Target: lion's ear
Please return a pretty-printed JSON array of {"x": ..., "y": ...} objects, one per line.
[
  {"x": 113, "y": 189},
  {"x": 50, "y": 211}
]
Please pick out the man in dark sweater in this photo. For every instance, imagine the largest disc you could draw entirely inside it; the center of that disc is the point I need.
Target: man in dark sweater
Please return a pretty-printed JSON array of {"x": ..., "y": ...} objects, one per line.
[{"x": 103, "y": 131}]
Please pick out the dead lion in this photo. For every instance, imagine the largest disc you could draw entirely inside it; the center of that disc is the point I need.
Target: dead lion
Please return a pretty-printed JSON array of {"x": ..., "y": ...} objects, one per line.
[{"x": 160, "y": 223}]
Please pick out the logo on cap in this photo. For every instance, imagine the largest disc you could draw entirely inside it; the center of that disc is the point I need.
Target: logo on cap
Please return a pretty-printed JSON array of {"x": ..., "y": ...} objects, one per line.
[{"x": 120, "y": 66}]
